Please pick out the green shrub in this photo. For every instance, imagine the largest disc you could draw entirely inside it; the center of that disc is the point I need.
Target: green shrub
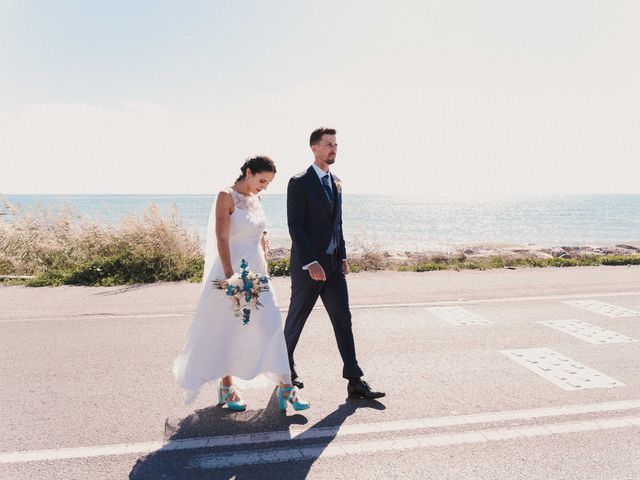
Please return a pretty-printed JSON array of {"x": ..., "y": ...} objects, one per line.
[
  {"x": 355, "y": 267},
  {"x": 469, "y": 265},
  {"x": 279, "y": 267},
  {"x": 495, "y": 261},
  {"x": 126, "y": 268},
  {"x": 562, "y": 262},
  {"x": 428, "y": 267},
  {"x": 621, "y": 260}
]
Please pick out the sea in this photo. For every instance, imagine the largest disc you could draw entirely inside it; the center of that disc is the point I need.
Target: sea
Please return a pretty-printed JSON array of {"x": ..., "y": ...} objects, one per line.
[{"x": 403, "y": 223}]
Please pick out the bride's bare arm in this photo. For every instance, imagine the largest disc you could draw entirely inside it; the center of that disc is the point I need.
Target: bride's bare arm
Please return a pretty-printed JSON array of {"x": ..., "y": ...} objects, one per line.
[
  {"x": 264, "y": 242},
  {"x": 224, "y": 208}
]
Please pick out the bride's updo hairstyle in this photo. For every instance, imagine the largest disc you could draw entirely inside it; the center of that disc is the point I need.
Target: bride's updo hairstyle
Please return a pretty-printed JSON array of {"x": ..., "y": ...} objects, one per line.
[{"x": 258, "y": 164}]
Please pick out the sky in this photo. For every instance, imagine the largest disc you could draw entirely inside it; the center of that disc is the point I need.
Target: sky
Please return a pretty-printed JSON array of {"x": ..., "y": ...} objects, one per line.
[{"x": 455, "y": 98}]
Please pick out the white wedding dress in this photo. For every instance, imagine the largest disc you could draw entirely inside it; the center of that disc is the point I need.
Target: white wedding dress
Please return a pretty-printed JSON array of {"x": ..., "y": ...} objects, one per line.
[{"x": 218, "y": 343}]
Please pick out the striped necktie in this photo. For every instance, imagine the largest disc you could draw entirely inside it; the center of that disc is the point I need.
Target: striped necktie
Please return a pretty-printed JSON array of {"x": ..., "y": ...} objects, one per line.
[{"x": 327, "y": 188}]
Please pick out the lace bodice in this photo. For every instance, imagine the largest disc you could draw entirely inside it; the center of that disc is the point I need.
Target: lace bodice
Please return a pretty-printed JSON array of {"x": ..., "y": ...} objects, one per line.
[
  {"x": 250, "y": 203},
  {"x": 248, "y": 220}
]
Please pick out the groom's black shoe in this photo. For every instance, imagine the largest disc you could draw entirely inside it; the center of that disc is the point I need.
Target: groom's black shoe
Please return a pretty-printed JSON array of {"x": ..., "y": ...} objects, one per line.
[
  {"x": 297, "y": 381},
  {"x": 358, "y": 388}
]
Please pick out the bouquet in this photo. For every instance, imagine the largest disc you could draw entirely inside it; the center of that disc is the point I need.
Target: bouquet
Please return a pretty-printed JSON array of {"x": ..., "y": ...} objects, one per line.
[{"x": 244, "y": 288}]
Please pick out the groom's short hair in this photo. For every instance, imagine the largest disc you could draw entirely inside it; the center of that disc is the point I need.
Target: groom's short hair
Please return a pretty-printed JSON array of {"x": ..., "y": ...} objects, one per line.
[{"x": 317, "y": 134}]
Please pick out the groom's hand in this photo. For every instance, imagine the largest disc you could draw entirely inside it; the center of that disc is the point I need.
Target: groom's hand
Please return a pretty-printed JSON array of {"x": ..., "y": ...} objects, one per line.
[
  {"x": 317, "y": 272},
  {"x": 345, "y": 267}
]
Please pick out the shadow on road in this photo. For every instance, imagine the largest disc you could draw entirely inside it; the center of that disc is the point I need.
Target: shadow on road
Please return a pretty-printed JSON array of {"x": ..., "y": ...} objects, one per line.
[{"x": 215, "y": 421}]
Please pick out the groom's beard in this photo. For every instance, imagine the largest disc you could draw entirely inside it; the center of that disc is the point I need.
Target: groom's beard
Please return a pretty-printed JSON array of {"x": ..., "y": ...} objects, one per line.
[{"x": 330, "y": 160}]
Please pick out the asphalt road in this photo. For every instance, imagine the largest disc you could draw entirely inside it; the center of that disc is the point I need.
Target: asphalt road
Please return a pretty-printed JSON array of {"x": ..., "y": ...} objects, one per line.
[{"x": 86, "y": 390}]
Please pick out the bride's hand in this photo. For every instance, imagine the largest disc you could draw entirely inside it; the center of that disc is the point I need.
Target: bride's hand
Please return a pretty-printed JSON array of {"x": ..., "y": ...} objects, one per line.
[{"x": 265, "y": 244}]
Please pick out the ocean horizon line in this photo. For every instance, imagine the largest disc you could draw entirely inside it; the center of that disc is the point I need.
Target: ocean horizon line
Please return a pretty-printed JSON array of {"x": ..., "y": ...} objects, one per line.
[{"x": 383, "y": 194}]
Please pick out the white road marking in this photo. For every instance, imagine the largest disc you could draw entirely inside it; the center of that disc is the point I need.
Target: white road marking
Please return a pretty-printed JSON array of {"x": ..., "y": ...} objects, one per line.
[
  {"x": 490, "y": 300},
  {"x": 560, "y": 370},
  {"x": 98, "y": 316},
  {"x": 603, "y": 308},
  {"x": 254, "y": 457},
  {"x": 457, "y": 316},
  {"x": 306, "y": 433},
  {"x": 79, "y": 452},
  {"x": 588, "y": 332}
]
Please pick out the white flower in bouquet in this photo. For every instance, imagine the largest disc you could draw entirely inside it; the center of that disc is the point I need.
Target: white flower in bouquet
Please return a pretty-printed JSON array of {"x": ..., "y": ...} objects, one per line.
[
  {"x": 237, "y": 281},
  {"x": 244, "y": 288}
]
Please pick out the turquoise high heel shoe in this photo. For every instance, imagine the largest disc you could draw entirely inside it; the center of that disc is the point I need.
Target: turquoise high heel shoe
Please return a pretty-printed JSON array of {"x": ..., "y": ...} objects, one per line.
[
  {"x": 292, "y": 398},
  {"x": 224, "y": 393}
]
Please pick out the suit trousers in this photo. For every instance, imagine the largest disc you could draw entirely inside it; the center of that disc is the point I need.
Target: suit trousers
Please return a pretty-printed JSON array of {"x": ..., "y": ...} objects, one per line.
[{"x": 335, "y": 297}]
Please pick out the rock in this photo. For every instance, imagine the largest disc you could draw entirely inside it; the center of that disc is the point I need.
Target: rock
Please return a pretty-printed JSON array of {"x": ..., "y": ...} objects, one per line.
[
  {"x": 628, "y": 247},
  {"x": 556, "y": 253}
]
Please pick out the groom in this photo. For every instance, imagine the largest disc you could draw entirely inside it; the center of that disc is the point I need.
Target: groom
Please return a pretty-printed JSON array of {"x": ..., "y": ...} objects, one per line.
[{"x": 319, "y": 259}]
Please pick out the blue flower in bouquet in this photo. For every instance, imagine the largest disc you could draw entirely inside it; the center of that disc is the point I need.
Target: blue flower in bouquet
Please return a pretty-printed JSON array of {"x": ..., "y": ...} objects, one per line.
[{"x": 244, "y": 288}]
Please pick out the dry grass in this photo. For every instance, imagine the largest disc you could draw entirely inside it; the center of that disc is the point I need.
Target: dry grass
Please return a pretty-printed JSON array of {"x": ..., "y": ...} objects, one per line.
[{"x": 59, "y": 246}]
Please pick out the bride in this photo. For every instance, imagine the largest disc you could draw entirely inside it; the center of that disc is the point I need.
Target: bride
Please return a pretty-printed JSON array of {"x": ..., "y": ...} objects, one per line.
[{"x": 218, "y": 345}]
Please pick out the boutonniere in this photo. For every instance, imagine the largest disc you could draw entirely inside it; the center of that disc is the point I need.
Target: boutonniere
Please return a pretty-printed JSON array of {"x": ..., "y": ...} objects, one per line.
[{"x": 338, "y": 185}]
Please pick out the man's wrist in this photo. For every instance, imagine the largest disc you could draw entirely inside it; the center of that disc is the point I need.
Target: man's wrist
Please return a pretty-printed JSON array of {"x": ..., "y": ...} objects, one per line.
[{"x": 306, "y": 267}]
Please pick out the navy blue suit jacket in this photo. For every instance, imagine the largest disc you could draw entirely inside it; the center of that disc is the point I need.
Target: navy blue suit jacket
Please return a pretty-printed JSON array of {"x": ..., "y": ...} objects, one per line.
[{"x": 312, "y": 220}]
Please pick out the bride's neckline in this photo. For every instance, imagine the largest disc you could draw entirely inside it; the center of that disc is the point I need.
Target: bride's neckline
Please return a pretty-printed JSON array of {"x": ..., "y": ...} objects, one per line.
[{"x": 240, "y": 193}]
